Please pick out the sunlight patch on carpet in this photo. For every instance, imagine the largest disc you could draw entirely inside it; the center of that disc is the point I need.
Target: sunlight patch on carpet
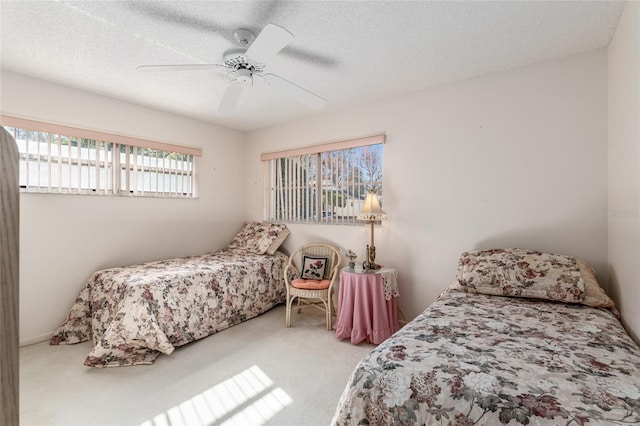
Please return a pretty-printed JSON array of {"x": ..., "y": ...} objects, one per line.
[{"x": 248, "y": 398}]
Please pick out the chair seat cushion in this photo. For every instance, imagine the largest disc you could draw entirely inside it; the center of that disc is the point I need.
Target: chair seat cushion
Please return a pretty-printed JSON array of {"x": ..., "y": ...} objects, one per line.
[{"x": 310, "y": 284}]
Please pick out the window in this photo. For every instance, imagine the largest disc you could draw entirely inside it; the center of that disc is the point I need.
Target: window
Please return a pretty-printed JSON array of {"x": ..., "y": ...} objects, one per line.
[
  {"x": 322, "y": 184},
  {"x": 58, "y": 159}
]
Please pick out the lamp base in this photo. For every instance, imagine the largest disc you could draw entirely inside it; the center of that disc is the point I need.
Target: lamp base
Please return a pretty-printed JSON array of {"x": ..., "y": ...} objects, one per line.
[{"x": 370, "y": 264}]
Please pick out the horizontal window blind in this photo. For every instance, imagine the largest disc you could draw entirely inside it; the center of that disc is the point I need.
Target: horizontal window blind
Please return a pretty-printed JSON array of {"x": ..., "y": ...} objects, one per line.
[
  {"x": 7, "y": 120},
  {"x": 51, "y": 162},
  {"x": 321, "y": 185},
  {"x": 327, "y": 147}
]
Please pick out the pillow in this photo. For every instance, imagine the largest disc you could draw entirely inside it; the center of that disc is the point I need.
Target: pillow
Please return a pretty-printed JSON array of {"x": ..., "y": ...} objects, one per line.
[
  {"x": 594, "y": 295},
  {"x": 257, "y": 237},
  {"x": 278, "y": 241},
  {"x": 313, "y": 267},
  {"x": 521, "y": 273}
]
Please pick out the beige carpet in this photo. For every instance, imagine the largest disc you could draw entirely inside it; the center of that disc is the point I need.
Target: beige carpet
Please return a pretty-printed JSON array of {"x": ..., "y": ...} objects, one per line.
[{"x": 258, "y": 372}]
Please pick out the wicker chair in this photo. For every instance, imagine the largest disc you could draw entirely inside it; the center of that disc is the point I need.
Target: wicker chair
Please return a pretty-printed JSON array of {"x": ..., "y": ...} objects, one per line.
[{"x": 316, "y": 292}]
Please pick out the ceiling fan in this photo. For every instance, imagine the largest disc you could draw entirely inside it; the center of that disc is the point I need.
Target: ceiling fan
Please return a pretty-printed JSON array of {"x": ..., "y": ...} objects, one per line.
[{"x": 244, "y": 63}]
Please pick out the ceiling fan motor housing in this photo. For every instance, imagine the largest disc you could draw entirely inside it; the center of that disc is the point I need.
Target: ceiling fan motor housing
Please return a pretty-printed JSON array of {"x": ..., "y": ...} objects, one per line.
[{"x": 236, "y": 59}]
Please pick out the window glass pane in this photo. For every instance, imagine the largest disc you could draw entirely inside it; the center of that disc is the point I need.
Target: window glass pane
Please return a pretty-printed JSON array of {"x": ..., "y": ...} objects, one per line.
[
  {"x": 61, "y": 164},
  {"x": 328, "y": 187}
]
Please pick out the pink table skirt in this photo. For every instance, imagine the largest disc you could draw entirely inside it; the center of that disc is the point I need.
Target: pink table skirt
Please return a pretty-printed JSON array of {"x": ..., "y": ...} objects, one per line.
[{"x": 362, "y": 309}]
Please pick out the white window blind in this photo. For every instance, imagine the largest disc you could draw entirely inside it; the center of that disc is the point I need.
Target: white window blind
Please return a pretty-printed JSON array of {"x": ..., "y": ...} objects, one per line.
[
  {"x": 322, "y": 184},
  {"x": 55, "y": 162}
]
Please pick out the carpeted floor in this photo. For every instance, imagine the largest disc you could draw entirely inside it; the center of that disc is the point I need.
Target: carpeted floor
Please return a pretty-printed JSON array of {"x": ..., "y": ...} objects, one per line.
[{"x": 258, "y": 372}]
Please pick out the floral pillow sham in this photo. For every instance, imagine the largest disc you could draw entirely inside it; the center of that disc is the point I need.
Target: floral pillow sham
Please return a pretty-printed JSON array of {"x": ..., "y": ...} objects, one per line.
[
  {"x": 277, "y": 242},
  {"x": 594, "y": 295},
  {"x": 259, "y": 238},
  {"x": 521, "y": 273}
]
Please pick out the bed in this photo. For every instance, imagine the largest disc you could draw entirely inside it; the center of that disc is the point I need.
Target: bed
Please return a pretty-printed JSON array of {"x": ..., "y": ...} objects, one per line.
[
  {"x": 134, "y": 313},
  {"x": 513, "y": 341}
]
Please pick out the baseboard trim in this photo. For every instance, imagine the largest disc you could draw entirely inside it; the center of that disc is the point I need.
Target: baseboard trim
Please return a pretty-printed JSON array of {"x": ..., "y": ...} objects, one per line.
[{"x": 36, "y": 339}]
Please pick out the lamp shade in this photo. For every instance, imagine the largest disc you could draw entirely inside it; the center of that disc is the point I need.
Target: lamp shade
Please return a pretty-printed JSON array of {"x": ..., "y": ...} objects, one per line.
[{"x": 372, "y": 209}]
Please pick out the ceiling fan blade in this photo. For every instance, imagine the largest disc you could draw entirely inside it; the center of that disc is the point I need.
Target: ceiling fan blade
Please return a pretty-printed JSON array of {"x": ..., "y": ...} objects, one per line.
[
  {"x": 270, "y": 41},
  {"x": 180, "y": 67},
  {"x": 230, "y": 99},
  {"x": 295, "y": 92}
]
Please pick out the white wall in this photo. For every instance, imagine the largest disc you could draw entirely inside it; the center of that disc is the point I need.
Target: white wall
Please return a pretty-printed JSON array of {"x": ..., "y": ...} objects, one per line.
[
  {"x": 624, "y": 166},
  {"x": 510, "y": 159},
  {"x": 65, "y": 238},
  {"x": 517, "y": 158}
]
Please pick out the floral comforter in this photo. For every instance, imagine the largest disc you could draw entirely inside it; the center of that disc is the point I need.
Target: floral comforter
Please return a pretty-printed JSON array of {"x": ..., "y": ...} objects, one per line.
[
  {"x": 479, "y": 359},
  {"x": 134, "y": 313}
]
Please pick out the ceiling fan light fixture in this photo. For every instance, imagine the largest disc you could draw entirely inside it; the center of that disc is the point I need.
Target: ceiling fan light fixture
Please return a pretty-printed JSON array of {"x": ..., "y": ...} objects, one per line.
[{"x": 245, "y": 76}]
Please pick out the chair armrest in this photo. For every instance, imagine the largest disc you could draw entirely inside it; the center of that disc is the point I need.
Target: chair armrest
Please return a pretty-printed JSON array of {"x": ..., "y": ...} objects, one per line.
[
  {"x": 334, "y": 275},
  {"x": 290, "y": 273}
]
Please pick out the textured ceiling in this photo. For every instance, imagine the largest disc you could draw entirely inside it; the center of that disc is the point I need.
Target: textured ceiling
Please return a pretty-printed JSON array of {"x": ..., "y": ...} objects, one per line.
[{"x": 350, "y": 53}]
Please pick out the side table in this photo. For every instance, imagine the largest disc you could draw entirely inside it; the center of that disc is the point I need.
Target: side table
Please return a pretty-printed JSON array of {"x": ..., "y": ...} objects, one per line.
[{"x": 367, "y": 305}]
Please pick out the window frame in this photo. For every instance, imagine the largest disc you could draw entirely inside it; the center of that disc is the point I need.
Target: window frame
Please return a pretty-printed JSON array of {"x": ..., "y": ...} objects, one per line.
[
  {"x": 311, "y": 210},
  {"x": 123, "y": 155}
]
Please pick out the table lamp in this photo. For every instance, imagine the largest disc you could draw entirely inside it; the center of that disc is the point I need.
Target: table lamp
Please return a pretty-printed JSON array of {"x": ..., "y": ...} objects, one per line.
[{"x": 372, "y": 211}]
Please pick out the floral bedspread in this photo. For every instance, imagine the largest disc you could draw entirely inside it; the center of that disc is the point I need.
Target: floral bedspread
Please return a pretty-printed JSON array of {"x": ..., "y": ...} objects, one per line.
[
  {"x": 134, "y": 313},
  {"x": 480, "y": 359}
]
